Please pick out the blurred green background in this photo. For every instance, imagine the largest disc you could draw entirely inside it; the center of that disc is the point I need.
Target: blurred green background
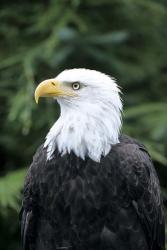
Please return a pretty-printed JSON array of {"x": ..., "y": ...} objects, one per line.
[{"x": 124, "y": 38}]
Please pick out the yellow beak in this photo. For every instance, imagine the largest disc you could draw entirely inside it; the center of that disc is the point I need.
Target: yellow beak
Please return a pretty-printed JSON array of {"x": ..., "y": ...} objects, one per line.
[{"x": 48, "y": 88}]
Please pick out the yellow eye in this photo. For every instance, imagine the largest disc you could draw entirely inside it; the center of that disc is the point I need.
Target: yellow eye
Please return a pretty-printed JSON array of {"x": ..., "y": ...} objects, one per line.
[{"x": 76, "y": 85}]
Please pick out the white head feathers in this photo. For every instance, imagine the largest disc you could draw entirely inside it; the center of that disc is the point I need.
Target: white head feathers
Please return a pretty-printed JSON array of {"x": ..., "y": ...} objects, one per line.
[{"x": 90, "y": 122}]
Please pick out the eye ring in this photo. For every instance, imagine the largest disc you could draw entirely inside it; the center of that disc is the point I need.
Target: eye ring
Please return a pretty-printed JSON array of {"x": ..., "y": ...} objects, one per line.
[{"x": 76, "y": 85}]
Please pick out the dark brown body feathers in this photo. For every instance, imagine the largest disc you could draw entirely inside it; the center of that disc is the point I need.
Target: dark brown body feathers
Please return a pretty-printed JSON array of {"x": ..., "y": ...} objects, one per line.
[{"x": 83, "y": 205}]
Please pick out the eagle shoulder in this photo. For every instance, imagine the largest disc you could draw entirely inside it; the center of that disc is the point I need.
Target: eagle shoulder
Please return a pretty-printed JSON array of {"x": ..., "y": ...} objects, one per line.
[
  {"x": 143, "y": 187},
  {"x": 29, "y": 209}
]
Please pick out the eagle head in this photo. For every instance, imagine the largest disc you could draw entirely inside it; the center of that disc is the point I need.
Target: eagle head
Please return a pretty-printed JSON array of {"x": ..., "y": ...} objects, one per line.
[{"x": 90, "y": 118}]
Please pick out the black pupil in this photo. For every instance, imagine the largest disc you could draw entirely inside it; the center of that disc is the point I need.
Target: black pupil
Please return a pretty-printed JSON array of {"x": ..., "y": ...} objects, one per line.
[{"x": 76, "y": 85}]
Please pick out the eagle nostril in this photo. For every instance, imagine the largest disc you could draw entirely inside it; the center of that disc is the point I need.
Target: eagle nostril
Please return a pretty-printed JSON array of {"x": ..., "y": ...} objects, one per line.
[{"x": 53, "y": 83}]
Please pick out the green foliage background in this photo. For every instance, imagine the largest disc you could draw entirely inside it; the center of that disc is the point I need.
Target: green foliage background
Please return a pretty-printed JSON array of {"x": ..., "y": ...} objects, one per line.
[{"x": 124, "y": 38}]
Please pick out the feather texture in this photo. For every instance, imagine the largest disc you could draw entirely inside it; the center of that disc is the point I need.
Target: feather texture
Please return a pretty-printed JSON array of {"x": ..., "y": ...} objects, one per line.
[{"x": 76, "y": 204}]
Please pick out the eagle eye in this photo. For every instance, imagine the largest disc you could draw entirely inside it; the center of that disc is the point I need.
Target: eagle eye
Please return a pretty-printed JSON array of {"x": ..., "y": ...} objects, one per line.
[{"x": 76, "y": 85}]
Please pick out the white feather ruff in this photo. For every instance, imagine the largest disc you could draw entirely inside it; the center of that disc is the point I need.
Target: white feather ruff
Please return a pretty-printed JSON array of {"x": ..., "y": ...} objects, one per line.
[{"x": 89, "y": 123}]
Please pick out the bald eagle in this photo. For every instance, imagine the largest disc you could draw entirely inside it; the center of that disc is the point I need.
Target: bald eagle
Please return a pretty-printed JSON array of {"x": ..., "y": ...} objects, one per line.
[{"x": 89, "y": 187}]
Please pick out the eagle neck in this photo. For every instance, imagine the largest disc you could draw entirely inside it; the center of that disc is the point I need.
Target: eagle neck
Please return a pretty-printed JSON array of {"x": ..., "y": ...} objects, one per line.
[{"x": 88, "y": 134}]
